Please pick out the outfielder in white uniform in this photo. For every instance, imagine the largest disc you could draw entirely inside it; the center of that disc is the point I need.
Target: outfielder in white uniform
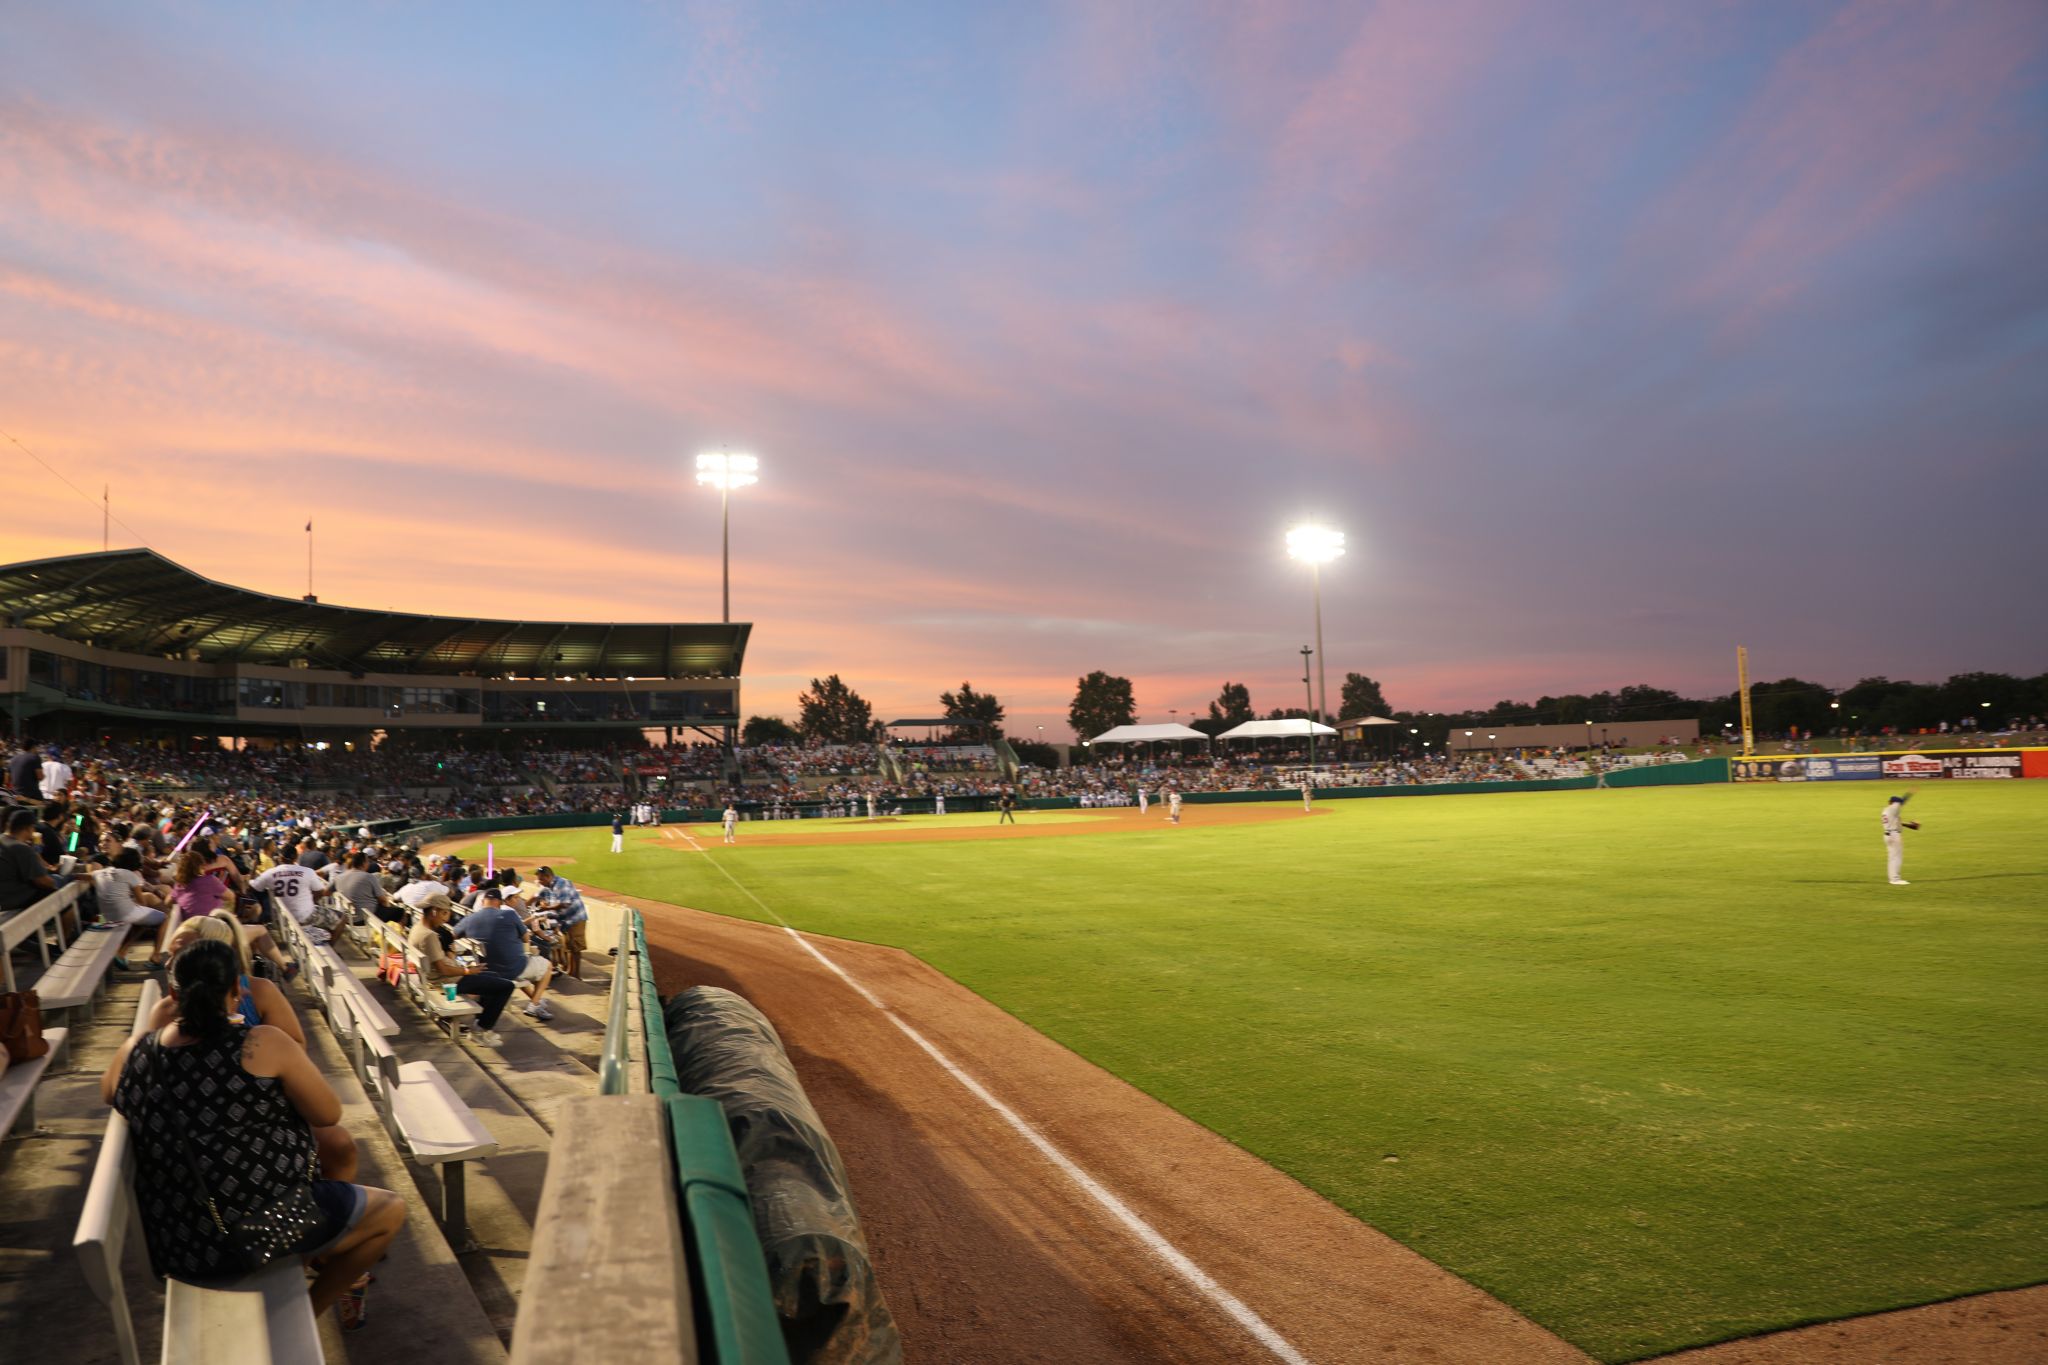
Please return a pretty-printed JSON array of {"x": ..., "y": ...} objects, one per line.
[
  {"x": 1307, "y": 798},
  {"x": 942, "y": 805},
  {"x": 732, "y": 817},
  {"x": 1895, "y": 842},
  {"x": 871, "y": 805},
  {"x": 1143, "y": 800},
  {"x": 1173, "y": 805}
]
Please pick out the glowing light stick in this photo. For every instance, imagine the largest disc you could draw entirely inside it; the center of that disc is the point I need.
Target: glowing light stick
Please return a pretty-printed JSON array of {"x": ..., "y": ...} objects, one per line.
[
  {"x": 490, "y": 859},
  {"x": 196, "y": 825}
]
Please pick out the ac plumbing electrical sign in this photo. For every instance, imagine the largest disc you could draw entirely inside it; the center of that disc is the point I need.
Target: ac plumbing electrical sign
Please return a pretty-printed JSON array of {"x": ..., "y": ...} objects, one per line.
[{"x": 1918, "y": 767}]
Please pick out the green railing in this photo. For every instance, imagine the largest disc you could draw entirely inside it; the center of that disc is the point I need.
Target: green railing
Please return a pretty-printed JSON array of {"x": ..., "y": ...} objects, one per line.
[{"x": 736, "y": 1318}]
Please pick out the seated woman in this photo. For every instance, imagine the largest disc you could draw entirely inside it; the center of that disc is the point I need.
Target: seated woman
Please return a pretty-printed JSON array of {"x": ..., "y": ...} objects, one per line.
[
  {"x": 221, "y": 1117},
  {"x": 198, "y": 888},
  {"x": 125, "y": 899},
  {"x": 262, "y": 1003}
]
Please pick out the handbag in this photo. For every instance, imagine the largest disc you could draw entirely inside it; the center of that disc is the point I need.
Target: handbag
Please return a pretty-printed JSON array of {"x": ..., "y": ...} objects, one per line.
[
  {"x": 259, "y": 1237},
  {"x": 21, "y": 1026}
]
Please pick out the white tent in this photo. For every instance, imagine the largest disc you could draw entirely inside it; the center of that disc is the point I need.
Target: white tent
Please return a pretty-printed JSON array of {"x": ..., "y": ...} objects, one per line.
[
  {"x": 1364, "y": 721},
  {"x": 1296, "y": 728},
  {"x": 1145, "y": 734}
]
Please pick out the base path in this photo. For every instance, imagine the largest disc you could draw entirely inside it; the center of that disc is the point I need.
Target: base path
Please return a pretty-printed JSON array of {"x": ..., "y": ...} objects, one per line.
[{"x": 991, "y": 1250}]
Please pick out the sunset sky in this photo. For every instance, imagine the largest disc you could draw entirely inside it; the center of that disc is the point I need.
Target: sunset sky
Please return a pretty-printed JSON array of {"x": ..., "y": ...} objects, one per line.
[{"x": 1613, "y": 334}]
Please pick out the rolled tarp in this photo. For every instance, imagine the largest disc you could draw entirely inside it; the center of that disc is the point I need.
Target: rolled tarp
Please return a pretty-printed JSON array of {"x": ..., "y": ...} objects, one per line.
[{"x": 826, "y": 1293}]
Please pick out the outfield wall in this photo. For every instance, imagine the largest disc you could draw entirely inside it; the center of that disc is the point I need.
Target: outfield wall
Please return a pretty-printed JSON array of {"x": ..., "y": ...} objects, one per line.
[
  {"x": 1909, "y": 765},
  {"x": 1645, "y": 775}
]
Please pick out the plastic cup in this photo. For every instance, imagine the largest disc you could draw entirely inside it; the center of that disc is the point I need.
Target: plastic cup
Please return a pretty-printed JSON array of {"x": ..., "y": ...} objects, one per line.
[{"x": 450, "y": 989}]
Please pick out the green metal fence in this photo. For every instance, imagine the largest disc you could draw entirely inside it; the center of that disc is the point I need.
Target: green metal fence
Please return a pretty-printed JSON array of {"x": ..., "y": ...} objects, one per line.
[{"x": 737, "y": 1322}]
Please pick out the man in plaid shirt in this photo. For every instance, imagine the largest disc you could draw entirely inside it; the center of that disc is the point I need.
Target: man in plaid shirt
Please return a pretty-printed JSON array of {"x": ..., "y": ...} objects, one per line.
[{"x": 561, "y": 899}]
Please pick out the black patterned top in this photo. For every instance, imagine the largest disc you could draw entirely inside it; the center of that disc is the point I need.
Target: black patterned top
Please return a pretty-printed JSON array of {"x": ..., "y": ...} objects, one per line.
[{"x": 251, "y": 1143}]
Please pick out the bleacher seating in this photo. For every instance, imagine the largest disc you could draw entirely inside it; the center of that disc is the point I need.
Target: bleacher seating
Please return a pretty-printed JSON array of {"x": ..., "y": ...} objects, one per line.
[
  {"x": 18, "y": 1085},
  {"x": 426, "y": 1118},
  {"x": 78, "y": 977},
  {"x": 43, "y": 921}
]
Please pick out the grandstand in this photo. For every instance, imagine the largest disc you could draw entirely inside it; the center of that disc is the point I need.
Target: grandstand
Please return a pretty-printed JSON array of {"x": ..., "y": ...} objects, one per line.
[{"x": 127, "y": 643}]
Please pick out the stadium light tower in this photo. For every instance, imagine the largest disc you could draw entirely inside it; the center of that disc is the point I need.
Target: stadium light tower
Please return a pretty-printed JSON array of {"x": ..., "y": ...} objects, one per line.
[
  {"x": 725, "y": 472},
  {"x": 1316, "y": 546}
]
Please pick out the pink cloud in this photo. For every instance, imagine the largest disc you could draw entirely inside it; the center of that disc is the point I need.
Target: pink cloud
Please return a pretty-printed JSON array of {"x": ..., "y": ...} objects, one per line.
[{"x": 1873, "y": 113}]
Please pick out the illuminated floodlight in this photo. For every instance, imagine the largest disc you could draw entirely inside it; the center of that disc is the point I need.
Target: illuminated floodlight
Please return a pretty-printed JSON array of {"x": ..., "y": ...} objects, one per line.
[
  {"x": 726, "y": 471},
  {"x": 1312, "y": 544}
]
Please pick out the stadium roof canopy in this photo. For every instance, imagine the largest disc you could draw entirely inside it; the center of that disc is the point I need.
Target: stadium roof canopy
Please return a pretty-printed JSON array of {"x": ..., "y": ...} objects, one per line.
[{"x": 142, "y": 603}]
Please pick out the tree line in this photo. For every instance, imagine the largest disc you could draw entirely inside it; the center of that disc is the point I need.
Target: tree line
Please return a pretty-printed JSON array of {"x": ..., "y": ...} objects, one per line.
[{"x": 832, "y": 712}]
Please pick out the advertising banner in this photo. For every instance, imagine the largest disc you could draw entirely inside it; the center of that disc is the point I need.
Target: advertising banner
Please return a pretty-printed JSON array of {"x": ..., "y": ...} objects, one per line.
[
  {"x": 1975, "y": 765},
  {"x": 1845, "y": 768}
]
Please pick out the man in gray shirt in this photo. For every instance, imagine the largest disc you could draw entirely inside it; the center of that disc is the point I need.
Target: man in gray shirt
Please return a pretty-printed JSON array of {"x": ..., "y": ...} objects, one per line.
[{"x": 365, "y": 894}]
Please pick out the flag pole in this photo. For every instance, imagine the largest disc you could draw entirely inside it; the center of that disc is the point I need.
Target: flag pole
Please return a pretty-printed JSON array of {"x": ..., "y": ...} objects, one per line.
[
  {"x": 106, "y": 512},
  {"x": 309, "y": 560}
]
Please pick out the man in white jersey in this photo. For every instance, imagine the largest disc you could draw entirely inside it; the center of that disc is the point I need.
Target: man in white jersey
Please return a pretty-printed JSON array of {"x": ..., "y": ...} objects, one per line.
[
  {"x": 1307, "y": 798},
  {"x": 1895, "y": 842},
  {"x": 1143, "y": 800},
  {"x": 1173, "y": 805},
  {"x": 942, "y": 804},
  {"x": 871, "y": 805},
  {"x": 732, "y": 817},
  {"x": 293, "y": 887}
]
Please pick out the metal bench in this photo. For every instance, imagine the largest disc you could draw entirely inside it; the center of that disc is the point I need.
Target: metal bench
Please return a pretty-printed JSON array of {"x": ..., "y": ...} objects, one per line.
[
  {"x": 429, "y": 1122},
  {"x": 42, "y": 920},
  {"x": 78, "y": 977},
  {"x": 109, "y": 1215}
]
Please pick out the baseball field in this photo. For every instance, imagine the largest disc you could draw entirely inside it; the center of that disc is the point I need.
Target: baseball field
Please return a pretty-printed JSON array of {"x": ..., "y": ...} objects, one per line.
[{"x": 1656, "y": 1067}]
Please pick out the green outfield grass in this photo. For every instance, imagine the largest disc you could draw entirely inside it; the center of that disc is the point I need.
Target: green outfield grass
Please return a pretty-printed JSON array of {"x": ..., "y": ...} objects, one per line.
[{"x": 1657, "y": 1067}]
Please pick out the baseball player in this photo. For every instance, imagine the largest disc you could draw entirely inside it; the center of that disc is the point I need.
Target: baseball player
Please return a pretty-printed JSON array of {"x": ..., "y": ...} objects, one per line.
[
  {"x": 942, "y": 803},
  {"x": 1143, "y": 800},
  {"x": 1895, "y": 842},
  {"x": 871, "y": 805},
  {"x": 1307, "y": 798},
  {"x": 1173, "y": 805},
  {"x": 732, "y": 818},
  {"x": 1008, "y": 805},
  {"x": 618, "y": 834}
]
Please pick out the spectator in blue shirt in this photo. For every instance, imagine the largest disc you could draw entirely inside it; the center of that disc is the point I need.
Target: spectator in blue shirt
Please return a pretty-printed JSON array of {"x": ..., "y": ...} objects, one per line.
[
  {"x": 502, "y": 933},
  {"x": 565, "y": 903}
]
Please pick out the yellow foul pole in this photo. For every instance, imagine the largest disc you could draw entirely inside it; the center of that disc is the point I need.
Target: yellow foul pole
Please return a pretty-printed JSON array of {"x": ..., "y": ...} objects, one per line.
[{"x": 1742, "y": 686}]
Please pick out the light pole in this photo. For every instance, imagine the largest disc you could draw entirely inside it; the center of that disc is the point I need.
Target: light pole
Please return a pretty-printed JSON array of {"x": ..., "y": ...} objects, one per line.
[
  {"x": 1316, "y": 546},
  {"x": 725, "y": 472},
  {"x": 1309, "y": 699}
]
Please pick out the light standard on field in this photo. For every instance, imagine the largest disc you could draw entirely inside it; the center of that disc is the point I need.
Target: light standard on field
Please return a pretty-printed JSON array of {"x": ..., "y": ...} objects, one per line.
[
  {"x": 1310, "y": 700},
  {"x": 1316, "y": 546},
  {"x": 725, "y": 472}
]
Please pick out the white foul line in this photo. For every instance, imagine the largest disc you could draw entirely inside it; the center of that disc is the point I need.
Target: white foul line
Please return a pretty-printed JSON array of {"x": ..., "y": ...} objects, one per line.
[{"x": 1093, "y": 1188}]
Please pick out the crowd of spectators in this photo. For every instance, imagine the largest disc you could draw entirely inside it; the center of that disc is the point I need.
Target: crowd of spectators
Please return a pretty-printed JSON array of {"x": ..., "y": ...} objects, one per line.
[{"x": 232, "y": 1120}]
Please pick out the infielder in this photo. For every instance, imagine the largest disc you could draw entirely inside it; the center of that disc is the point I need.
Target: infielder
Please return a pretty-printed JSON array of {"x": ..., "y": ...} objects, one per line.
[
  {"x": 618, "y": 834},
  {"x": 871, "y": 805},
  {"x": 942, "y": 804},
  {"x": 1895, "y": 842},
  {"x": 1143, "y": 800},
  {"x": 1307, "y": 798},
  {"x": 1173, "y": 805},
  {"x": 1008, "y": 806},
  {"x": 732, "y": 818}
]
